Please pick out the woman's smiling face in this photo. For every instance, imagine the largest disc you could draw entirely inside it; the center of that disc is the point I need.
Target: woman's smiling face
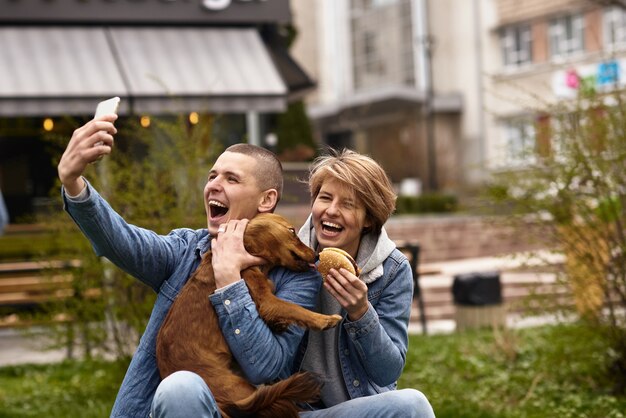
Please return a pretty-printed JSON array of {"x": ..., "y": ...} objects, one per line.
[{"x": 338, "y": 217}]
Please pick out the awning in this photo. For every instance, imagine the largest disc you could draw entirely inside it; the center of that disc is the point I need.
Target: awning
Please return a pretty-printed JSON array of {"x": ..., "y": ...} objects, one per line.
[
  {"x": 50, "y": 71},
  {"x": 372, "y": 101},
  {"x": 379, "y": 106}
]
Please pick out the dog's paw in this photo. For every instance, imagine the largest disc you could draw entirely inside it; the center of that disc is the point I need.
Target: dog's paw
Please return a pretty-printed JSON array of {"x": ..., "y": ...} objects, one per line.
[{"x": 329, "y": 321}]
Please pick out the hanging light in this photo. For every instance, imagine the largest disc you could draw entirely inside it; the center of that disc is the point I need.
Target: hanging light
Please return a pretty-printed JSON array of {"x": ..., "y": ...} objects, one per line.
[
  {"x": 48, "y": 124},
  {"x": 145, "y": 121},
  {"x": 194, "y": 118}
]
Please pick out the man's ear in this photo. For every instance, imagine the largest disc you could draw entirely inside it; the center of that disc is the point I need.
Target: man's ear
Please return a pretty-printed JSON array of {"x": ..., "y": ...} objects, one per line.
[{"x": 268, "y": 202}]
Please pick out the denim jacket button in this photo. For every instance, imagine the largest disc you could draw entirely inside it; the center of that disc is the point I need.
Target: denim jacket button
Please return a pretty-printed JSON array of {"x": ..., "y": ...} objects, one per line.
[
  {"x": 227, "y": 302},
  {"x": 356, "y": 383},
  {"x": 237, "y": 331}
]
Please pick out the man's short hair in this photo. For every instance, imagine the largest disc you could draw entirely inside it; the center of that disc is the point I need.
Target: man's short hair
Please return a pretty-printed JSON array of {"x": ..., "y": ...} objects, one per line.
[{"x": 269, "y": 173}]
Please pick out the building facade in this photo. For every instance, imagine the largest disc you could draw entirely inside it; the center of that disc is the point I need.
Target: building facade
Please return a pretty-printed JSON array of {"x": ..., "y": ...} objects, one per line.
[
  {"x": 383, "y": 88},
  {"x": 547, "y": 52},
  {"x": 162, "y": 58},
  {"x": 451, "y": 89}
]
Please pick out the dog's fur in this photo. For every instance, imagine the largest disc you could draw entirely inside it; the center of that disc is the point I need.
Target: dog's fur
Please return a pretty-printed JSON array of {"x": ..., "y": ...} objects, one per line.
[{"x": 190, "y": 337}]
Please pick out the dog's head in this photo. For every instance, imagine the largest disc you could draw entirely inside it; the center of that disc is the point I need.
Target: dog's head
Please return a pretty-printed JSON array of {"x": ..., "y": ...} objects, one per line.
[{"x": 271, "y": 237}]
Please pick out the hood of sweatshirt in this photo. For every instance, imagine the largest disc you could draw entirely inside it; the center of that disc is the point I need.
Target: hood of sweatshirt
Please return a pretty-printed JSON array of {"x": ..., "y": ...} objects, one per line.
[{"x": 373, "y": 250}]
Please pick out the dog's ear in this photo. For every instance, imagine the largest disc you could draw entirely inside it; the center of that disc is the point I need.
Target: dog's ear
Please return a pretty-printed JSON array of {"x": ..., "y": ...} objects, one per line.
[
  {"x": 266, "y": 232},
  {"x": 272, "y": 237}
]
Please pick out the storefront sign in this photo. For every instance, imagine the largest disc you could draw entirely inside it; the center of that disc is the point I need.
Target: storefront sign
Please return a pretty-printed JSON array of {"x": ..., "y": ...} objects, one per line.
[
  {"x": 144, "y": 11},
  {"x": 600, "y": 77}
]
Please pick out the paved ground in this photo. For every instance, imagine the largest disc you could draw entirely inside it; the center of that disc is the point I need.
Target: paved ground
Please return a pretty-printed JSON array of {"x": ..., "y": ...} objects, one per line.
[
  {"x": 448, "y": 326},
  {"x": 17, "y": 348}
]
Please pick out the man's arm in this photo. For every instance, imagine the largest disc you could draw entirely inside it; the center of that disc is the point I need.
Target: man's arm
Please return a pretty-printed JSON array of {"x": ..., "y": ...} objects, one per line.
[
  {"x": 263, "y": 355},
  {"x": 142, "y": 253}
]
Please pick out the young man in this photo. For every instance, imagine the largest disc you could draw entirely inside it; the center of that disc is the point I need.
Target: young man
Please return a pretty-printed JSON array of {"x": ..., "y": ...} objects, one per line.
[{"x": 244, "y": 181}]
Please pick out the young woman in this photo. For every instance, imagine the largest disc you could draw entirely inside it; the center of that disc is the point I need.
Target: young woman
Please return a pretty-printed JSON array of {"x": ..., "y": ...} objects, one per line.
[{"x": 359, "y": 361}]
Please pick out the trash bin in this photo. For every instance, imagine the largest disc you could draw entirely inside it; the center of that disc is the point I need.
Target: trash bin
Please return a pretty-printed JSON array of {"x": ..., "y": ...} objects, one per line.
[{"x": 478, "y": 300}]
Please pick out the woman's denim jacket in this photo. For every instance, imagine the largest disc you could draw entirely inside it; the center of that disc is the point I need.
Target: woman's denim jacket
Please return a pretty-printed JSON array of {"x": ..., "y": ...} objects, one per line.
[
  {"x": 372, "y": 350},
  {"x": 165, "y": 263}
]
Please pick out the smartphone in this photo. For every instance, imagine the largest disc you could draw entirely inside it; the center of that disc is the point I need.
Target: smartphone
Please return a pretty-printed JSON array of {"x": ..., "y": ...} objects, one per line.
[{"x": 106, "y": 107}]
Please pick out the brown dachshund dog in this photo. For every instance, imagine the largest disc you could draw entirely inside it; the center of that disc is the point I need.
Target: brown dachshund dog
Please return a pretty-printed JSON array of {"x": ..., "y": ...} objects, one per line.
[{"x": 190, "y": 337}]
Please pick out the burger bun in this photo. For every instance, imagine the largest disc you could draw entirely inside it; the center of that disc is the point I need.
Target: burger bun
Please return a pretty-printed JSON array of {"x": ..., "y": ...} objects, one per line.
[{"x": 336, "y": 258}]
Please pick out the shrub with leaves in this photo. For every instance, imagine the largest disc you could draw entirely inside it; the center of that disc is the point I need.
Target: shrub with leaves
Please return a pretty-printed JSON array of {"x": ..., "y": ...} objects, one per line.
[
  {"x": 576, "y": 181},
  {"x": 153, "y": 179}
]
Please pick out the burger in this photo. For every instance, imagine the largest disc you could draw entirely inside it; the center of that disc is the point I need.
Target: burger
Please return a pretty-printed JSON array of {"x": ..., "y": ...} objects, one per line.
[{"x": 336, "y": 258}]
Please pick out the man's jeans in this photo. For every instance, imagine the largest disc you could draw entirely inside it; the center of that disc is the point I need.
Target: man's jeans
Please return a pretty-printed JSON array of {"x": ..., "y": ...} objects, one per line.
[{"x": 184, "y": 394}]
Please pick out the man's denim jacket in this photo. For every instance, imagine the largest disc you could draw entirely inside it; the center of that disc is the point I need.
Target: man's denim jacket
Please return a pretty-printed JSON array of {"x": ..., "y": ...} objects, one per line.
[{"x": 165, "y": 263}]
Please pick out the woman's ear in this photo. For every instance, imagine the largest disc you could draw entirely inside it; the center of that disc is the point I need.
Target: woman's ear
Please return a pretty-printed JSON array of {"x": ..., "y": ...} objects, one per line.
[
  {"x": 367, "y": 226},
  {"x": 268, "y": 202}
]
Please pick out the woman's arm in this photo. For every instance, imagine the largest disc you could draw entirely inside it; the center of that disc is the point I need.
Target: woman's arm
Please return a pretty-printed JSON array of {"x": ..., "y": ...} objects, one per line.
[{"x": 380, "y": 336}]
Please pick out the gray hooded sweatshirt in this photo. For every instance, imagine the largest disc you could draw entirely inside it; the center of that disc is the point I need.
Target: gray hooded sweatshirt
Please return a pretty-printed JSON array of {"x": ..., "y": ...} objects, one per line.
[{"x": 321, "y": 357}]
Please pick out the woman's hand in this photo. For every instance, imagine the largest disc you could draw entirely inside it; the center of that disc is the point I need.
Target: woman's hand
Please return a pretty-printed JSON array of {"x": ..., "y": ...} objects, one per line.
[
  {"x": 229, "y": 254},
  {"x": 350, "y": 292}
]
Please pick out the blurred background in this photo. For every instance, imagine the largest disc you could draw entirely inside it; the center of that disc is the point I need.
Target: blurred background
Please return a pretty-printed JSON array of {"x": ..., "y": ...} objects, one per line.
[
  {"x": 442, "y": 93},
  {"x": 501, "y": 123}
]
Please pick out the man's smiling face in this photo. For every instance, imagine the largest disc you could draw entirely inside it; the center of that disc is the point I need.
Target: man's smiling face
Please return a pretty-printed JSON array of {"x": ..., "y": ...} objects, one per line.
[{"x": 231, "y": 191}]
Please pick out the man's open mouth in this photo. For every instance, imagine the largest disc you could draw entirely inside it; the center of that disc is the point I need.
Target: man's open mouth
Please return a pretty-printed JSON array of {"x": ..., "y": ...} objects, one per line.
[{"x": 217, "y": 209}]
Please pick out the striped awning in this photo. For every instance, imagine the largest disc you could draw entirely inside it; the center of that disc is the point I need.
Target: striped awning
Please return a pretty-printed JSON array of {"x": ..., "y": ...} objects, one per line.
[{"x": 51, "y": 71}]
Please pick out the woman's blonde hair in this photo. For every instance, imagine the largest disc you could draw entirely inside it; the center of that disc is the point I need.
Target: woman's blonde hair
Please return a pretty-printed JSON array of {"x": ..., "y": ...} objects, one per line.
[{"x": 361, "y": 174}]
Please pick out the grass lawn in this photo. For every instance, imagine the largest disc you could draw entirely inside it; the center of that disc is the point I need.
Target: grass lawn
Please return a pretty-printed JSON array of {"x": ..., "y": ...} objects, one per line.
[
  {"x": 69, "y": 389},
  {"x": 541, "y": 372},
  {"x": 545, "y": 372}
]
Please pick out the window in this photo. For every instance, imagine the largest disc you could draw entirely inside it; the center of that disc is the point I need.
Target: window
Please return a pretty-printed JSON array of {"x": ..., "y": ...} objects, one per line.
[
  {"x": 614, "y": 27},
  {"x": 370, "y": 4},
  {"x": 566, "y": 36},
  {"x": 516, "y": 44},
  {"x": 519, "y": 141},
  {"x": 383, "y": 3},
  {"x": 382, "y": 43},
  {"x": 372, "y": 62}
]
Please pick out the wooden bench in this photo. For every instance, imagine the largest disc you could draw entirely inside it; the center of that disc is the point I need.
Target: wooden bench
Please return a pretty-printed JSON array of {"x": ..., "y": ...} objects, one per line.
[
  {"x": 28, "y": 284},
  {"x": 29, "y": 290}
]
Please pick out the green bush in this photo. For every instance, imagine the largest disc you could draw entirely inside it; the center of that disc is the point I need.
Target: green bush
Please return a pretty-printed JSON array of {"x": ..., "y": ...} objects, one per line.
[
  {"x": 576, "y": 184},
  {"x": 32, "y": 246},
  {"x": 153, "y": 179},
  {"x": 427, "y": 203}
]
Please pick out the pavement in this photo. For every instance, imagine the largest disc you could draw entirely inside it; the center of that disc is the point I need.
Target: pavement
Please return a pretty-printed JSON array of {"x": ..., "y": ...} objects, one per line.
[
  {"x": 448, "y": 326},
  {"x": 18, "y": 346}
]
